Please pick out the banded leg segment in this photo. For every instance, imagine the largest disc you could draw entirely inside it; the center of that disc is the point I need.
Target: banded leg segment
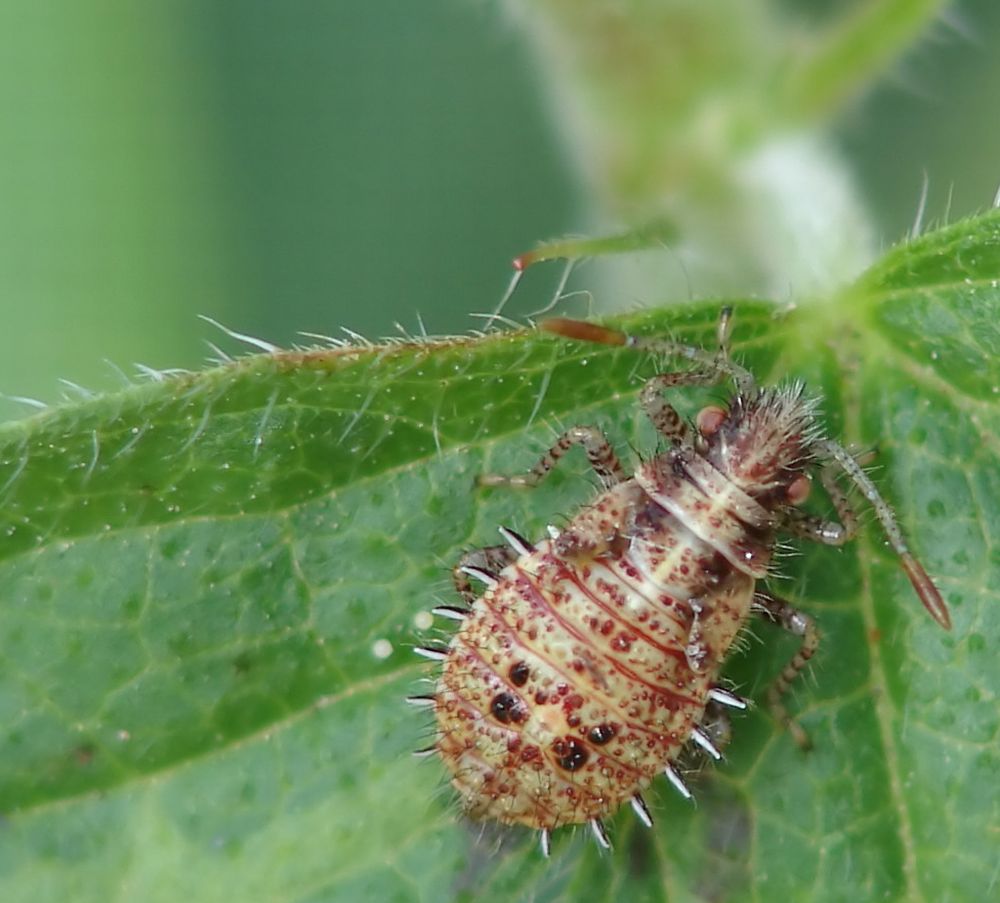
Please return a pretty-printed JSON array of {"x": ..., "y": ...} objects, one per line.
[
  {"x": 664, "y": 417},
  {"x": 797, "y": 622},
  {"x": 601, "y": 455}
]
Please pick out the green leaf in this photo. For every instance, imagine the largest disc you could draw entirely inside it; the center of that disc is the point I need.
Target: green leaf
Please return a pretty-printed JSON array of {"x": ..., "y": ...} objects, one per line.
[{"x": 210, "y": 586}]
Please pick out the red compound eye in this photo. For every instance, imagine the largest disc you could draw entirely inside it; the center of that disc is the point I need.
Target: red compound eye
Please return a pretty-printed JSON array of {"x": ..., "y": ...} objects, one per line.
[
  {"x": 798, "y": 491},
  {"x": 709, "y": 420}
]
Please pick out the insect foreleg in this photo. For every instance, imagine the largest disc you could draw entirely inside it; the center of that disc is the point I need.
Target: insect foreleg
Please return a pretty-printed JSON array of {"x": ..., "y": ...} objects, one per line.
[
  {"x": 829, "y": 533},
  {"x": 816, "y": 529},
  {"x": 664, "y": 417},
  {"x": 601, "y": 455}
]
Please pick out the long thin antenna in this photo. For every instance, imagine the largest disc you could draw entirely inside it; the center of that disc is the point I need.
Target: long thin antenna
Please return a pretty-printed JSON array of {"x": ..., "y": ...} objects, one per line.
[
  {"x": 922, "y": 583},
  {"x": 590, "y": 332}
]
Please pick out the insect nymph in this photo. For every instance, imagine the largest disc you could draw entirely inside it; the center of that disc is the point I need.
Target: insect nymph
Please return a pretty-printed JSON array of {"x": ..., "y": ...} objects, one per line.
[{"x": 587, "y": 663}]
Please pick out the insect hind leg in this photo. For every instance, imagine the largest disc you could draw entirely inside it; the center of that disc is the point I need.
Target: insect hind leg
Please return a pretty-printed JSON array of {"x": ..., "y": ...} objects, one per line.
[{"x": 799, "y": 623}]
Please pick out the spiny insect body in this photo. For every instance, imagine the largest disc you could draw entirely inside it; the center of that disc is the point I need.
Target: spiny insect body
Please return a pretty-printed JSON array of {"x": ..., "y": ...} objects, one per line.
[{"x": 591, "y": 658}]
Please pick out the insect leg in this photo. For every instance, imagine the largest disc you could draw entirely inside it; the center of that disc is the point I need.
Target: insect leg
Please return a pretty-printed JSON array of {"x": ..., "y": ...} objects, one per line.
[
  {"x": 794, "y": 621},
  {"x": 601, "y": 455},
  {"x": 488, "y": 561},
  {"x": 664, "y": 417},
  {"x": 816, "y": 529}
]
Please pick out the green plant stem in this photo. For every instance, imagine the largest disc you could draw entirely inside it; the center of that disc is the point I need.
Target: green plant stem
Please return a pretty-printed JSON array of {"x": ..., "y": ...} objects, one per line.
[{"x": 852, "y": 53}]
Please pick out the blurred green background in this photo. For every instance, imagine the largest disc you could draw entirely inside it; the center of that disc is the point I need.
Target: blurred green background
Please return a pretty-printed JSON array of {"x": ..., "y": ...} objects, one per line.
[{"x": 305, "y": 166}]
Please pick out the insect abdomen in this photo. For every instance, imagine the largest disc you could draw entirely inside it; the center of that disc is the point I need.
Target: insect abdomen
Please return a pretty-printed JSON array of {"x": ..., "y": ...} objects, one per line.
[{"x": 569, "y": 686}]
